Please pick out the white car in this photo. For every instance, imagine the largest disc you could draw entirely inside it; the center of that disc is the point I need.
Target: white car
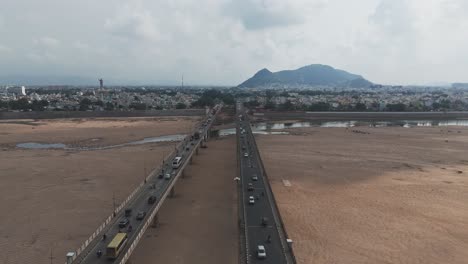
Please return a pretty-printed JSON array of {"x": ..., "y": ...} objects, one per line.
[
  {"x": 251, "y": 200},
  {"x": 167, "y": 176},
  {"x": 261, "y": 253},
  {"x": 246, "y": 154}
]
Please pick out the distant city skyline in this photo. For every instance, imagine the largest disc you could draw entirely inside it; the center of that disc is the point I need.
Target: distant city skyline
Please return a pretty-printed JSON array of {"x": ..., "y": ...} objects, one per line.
[{"x": 408, "y": 42}]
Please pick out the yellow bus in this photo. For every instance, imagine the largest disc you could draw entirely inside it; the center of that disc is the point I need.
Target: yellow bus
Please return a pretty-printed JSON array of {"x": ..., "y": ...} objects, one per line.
[{"x": 116, "y": 245}]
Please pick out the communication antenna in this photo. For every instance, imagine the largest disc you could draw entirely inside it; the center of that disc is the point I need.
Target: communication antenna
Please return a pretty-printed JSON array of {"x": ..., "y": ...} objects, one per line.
[{"x": 182, "y": 80}]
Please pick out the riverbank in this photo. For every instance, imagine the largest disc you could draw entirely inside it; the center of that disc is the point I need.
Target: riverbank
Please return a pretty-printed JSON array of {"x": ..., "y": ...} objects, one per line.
[
  {"x": 54, "y": 199},
  {"x": 95, "y": 132},
  {"x": 361, "y": 116},
  {"x": 372, "y": 195}
]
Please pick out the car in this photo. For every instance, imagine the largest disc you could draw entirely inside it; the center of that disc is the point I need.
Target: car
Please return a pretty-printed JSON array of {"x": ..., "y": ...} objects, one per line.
[
  {"x": 128, "y": 212},
  {"x": 167, "y": 176},
  {"x": 246, "y": 155},
  {"x": 251, "y": 200},
  {"x": 261, "y": 253},
  {"x": 151, "y": 199},
  {"x": 161, "y": 175},
  {"x": 255, "y": 177},
  {"x": 264, "y": 221},
  {"x": 250, "y": 187},
  {"x": 140, "y": 215},
  {"x": 243, "y": 147},
  {"x": 124, "y": 222}
]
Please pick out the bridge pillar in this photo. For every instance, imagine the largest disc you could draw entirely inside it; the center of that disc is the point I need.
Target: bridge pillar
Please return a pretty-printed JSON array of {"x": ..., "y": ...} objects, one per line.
[
  {"x": 182, "y": 174},
  {"x": 191, "y": 160},
  {"x": 155, "y": 221},
  {"x": 172, "y": 192},
  {"x": 196, "y": 151}
]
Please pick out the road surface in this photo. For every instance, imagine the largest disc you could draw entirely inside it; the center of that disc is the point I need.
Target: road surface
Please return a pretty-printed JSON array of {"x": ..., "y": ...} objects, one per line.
[{"x": 257, "y": 232}]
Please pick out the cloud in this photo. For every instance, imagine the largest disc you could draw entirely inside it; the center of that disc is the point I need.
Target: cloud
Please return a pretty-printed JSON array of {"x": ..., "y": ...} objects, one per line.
[
  {"x": 263, "y": 14},
  {"x": 4, "y": 49},
  {"x": 47, "y": 42},
  {"x": 226, "y": 41},
  {"x": 133, "y": 23}
]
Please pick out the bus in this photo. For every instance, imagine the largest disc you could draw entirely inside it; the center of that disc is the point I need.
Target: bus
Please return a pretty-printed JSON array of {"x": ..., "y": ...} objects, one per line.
[
  {"x": 176, "y": 162},
  {"x": 116, "y": 245}
]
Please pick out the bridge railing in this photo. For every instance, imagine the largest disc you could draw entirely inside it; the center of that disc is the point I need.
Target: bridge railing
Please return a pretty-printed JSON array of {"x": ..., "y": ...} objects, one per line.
[
  {"x": 82, "y": 249},
  {"x": 150, "y": 219}
]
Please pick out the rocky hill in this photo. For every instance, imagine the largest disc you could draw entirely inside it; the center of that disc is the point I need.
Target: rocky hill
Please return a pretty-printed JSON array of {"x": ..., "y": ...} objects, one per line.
[{"x": 311, "y": 75}]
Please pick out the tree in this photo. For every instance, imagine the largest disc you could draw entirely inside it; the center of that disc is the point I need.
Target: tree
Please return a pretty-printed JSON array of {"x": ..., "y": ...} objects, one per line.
[
  {"x": 99, "y": 103},
  {"x": 399, "y": 107},
  {"x": 109, "y": 106},
  {"x": 253, "y": 103},
  {"x": 84, "y": 104},
  {"x": 138, "y": 106},
  {"x": 360, "y": 107},
  {"x": 288, "y": 105},
  {"x": 3, "y": 104},
  {"x": 21, "y": 104},
  {"x": 228, "y": 99},
  {"x": 39, "y": 105},
  {"x": 180, "y": 106},
  {"x": 319, "y": 107},
  {"x": 270, "y": 105}
]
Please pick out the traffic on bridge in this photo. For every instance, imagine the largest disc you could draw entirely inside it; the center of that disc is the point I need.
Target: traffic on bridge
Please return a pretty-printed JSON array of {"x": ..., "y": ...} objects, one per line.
[
  {"x": 115, "y": 242},
  {"x": 263, "y": 239}
]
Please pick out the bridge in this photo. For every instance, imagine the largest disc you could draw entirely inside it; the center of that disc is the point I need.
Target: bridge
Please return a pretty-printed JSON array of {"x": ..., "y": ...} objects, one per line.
[
  {"x": 260, "y": 221},
  {"x": 160, "y": 183}
]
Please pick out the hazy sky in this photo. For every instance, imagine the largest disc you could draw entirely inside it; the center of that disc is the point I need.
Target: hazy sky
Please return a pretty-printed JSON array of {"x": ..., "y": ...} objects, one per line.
[{"x": 223, "y": 42}]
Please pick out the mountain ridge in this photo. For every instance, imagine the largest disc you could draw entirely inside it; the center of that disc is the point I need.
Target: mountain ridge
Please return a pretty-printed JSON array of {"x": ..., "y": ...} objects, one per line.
[{"x": 313, "y": 75}]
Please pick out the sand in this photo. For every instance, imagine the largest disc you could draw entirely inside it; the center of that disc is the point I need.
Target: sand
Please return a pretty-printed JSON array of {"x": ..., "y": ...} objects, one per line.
[
  {"x": 199, "y": 225},
  {"x": 396, "y": 195},
  {"x": 55, "y": 199},
  {"x": 91, "y": 131}
]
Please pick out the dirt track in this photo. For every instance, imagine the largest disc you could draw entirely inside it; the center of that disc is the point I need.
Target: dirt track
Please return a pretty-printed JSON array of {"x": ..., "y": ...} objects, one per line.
[
  {"x": 200, "y": 224},
  {"x": 396, "y": 195},
  {"x": 56, "y": 198}
]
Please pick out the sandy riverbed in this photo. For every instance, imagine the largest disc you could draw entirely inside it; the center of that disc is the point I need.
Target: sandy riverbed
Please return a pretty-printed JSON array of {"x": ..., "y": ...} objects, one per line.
[
  {"x": 91, "y": 131},
  {"x": 388, "y": 195},
  {"x": 199, "y": 225},
  {"x": 55, "y": 199}
]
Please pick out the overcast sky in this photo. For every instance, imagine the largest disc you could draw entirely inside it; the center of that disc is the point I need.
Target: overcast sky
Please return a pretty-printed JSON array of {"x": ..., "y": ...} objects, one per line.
[{"x": 223, "y": 42}]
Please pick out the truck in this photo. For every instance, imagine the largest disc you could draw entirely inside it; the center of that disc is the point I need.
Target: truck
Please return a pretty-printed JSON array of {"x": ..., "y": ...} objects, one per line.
[{"x": 196, "y": 135}]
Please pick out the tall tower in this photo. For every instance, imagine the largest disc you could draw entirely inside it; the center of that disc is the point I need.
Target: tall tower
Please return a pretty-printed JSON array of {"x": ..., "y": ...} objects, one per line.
[
  {"x": 101, "y": 83},
  {"x": 182, "y": 81}
]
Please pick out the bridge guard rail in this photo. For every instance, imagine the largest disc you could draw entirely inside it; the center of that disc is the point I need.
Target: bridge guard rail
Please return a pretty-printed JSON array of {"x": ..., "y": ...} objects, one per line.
[
  {"x": 82, "y": 249},
  {"x": 160, "y": 202}
]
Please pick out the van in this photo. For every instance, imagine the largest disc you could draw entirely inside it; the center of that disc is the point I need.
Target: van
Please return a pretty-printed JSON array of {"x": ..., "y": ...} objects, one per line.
[
  {"x": 128, "y": 212},
  {"x": 176, "y": 162}
]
